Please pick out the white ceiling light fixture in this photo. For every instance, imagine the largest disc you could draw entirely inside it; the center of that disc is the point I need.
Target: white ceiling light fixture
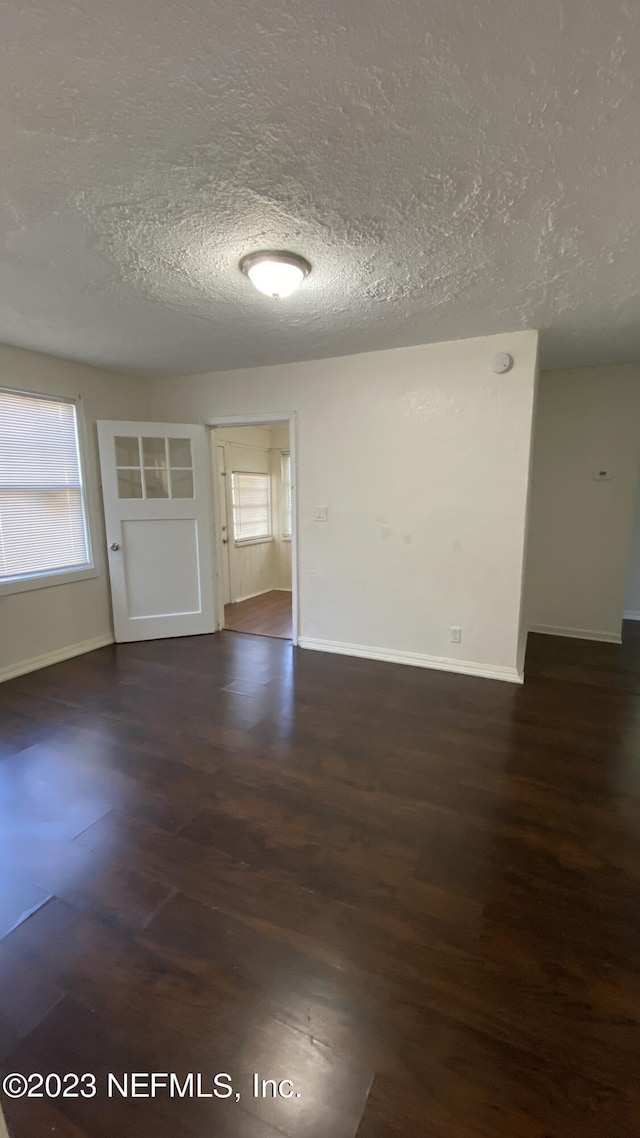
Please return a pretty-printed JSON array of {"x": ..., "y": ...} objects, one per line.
[{"x": 275, "y": 274}]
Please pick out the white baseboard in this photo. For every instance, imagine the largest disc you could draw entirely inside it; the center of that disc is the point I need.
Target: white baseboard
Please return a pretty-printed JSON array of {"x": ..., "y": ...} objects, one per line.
[
  {"x": 578, "y": 633},
  {"x": 56, "y": 657},
  {"x": 261, "y": 593},
  {"x": 250, "y": 596},
  {"x": 415, "y": 659},
  {"x": 631, "y": 614}
]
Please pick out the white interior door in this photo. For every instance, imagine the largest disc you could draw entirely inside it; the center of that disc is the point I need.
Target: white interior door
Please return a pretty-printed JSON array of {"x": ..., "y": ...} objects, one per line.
[{"x": 157, "y": 507}]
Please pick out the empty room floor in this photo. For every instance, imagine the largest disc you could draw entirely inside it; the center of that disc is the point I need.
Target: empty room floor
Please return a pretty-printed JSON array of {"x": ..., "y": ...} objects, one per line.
[
  {"x": 266, "y": 615},
  {"x": 412, "y": 894}
]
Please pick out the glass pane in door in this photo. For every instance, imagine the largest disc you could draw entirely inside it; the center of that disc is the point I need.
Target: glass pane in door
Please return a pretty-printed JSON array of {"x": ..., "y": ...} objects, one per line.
[
  {"x": 180, "y": 453},
  {"x": 156, "y": 483},
  {"x": 129, "y": 483}
]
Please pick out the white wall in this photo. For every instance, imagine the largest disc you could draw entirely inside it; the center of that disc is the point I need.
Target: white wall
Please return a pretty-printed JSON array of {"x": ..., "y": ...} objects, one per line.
[
  {"x": 258, "y": 437},
  {"x": 580, "y": 530},
  {"x": 43, "y": 624},
  {"x": 421, "y": 457},
  {"x": 632, "y": 593},
  {"x": 524, "y": 611}
]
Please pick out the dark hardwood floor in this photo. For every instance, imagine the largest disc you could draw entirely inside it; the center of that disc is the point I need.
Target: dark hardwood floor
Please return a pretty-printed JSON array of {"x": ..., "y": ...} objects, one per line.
[
  {"x": 413, "y": 894},
  {"x": 266, "y": 615}
]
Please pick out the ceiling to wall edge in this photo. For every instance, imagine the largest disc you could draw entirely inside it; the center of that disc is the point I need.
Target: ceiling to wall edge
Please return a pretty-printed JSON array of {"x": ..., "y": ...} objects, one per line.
[{"x": 159, "y": 374}]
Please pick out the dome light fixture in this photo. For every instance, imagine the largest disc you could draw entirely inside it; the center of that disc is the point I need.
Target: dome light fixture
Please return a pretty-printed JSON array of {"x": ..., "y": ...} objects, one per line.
[{"x": 275, "y": 274}]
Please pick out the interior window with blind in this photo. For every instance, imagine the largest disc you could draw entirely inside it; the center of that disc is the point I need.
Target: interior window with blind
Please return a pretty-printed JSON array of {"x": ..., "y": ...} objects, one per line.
[
  {"x": 251, "y": 503},
  {"x": 43, "y": 525},
  {"x": 286, "y": 494}
]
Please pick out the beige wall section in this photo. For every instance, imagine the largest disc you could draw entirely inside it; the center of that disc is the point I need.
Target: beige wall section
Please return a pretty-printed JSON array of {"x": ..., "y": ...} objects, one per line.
[
  {"x": 632, "y": 596},
  {"x": 421, "y": 457},
  {"x": 259, "y": 437},
  {"x": 524, "y": 613},
  {"x": 580, "y": 530},
  {"x": 44, "y": 624}
]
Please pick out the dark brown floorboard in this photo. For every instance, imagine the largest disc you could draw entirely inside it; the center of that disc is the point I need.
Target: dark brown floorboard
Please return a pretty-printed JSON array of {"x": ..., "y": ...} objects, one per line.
[
  {"x": 266, "y": 615},
  {"x": 415, "y": 895}
]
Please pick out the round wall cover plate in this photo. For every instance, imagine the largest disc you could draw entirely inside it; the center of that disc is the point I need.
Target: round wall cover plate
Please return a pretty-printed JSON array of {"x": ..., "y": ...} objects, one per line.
[{"x": 501, "y": 362}]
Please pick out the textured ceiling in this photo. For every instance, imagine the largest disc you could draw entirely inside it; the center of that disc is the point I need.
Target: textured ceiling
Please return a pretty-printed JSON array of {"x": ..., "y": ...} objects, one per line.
[{"x": 451, "y": 168}]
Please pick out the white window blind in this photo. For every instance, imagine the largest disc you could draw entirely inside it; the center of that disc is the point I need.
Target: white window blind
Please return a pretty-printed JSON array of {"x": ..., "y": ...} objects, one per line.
[
  {"x": 42, "y": 512},
  {"x": 286, "y": 494},
  {"x": 251, "y": 502}
]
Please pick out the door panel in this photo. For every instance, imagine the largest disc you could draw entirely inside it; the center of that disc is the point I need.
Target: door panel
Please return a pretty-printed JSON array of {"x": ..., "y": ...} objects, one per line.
[
  {"x": 157, "y": 508},
  {"x": 173, "y": 544}
]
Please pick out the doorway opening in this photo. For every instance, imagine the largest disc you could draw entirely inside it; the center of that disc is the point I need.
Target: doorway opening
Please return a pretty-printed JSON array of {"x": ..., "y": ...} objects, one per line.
[{"x": 254, "y": 523}]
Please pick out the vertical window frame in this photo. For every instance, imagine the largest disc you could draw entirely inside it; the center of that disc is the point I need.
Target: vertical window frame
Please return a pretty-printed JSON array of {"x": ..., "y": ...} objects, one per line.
[
  {"x": 285, "y": 462},
  {"x": 46, "y": 578}
]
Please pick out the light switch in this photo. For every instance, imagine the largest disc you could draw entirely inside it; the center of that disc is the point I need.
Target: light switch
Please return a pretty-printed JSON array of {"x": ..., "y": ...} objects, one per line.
[
  {"x": 320, "y": 513},
  {"x": 602, "y": 474}
]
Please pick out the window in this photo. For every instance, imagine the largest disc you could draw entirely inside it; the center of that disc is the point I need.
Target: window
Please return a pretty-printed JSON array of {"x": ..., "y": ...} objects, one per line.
[
  {"x": 251, "y": 502},
  {"x": 286, "y": 494},
  {"x": 156, "y": 467},
  {"x": 43, "y": 525}
]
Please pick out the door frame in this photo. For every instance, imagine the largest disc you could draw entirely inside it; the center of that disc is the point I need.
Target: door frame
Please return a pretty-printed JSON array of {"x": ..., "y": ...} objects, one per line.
[
  {"x": 266, "y": 419},
  {"x": 220, "y": 509}
]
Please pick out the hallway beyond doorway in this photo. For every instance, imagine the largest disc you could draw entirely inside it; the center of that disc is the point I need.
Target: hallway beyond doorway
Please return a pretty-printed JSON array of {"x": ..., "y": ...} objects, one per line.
[
  {"x": 255, "y": 526},
  {"x": 266, "y": 615}
]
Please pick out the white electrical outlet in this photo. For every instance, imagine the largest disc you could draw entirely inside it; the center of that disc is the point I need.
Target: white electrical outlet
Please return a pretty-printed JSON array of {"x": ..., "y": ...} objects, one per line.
[
  {"x": 320, "y": 513},
  {"x": 456, "y": 634}
]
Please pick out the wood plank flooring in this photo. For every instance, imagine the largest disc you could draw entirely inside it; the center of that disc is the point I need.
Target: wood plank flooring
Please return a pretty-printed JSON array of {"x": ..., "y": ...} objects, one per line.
[
  {"x": 266, "y": 615},
  {"x": 413, "y": 894}
]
